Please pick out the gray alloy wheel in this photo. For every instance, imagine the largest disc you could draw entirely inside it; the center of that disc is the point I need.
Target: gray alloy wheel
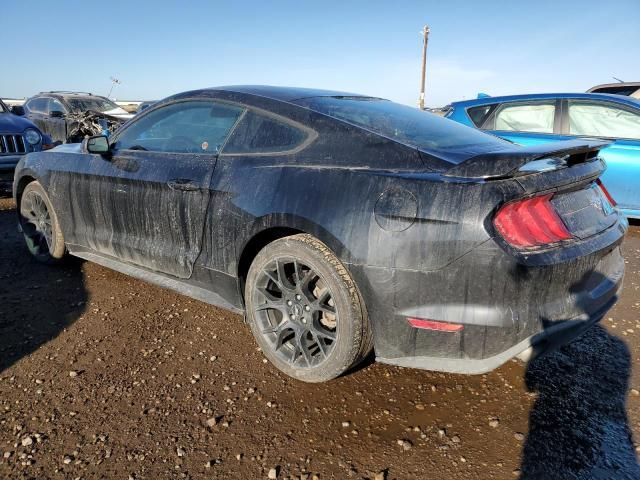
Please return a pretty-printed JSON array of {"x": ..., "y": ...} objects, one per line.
[
  {"x": 39, "y": 225},
  {"x": 305, "y": 311}
]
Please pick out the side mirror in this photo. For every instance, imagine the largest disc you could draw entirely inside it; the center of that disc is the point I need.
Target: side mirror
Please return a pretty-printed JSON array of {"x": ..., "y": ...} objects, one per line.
[
  {"x": 56, "y": 114},
  {"x": 17, "y": 110},
  {"x": 98, "y": 144}
]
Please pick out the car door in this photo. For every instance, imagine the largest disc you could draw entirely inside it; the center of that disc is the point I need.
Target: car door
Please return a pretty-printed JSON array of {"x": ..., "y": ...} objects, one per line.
[
  {"x": 55, "y": 120},
  {"x": 146, "y": 203},
  {"x": 621, "y": 124},
  {"x": 529, "y": 122},
  {"x": 36, "y": 111}
]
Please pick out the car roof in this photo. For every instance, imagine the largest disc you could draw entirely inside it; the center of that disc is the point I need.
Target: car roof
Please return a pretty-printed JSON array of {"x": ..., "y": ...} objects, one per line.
[
  {"x": 65, "y": 94},
  {"x": 284, "y": 94},
  {"x": 546, "y": 96},
  {"x": 616, "y": 84}
]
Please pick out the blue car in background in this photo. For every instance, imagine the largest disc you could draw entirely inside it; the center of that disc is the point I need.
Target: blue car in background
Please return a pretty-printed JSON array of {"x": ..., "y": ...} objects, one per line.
[
  {"x": 541, "y": 118},
  {"x": 18, "y": 136}
]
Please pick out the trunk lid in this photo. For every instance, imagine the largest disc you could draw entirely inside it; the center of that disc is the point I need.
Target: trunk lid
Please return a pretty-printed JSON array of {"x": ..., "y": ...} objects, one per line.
[
  {"x": 564, "y": 171},
  {"x": 585, "y": 212}
]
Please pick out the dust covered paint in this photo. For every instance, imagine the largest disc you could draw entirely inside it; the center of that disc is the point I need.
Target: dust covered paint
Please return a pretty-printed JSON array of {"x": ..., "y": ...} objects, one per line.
[{"x": 410, "y": 216}]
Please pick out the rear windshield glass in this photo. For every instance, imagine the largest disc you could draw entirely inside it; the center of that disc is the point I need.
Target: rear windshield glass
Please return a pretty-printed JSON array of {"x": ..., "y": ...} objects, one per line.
[
  {"x": 439, "y": 136},
  {"x": 623, "y": 90}
]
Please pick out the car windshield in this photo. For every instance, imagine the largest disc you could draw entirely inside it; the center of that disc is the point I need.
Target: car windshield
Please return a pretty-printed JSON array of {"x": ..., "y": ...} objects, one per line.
[
  {"x": 92, "y": 103},
  {"x": 430, "y": 133}
]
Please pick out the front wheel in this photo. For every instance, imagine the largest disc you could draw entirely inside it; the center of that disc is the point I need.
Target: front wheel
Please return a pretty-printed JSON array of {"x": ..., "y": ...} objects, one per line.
[
  {"x": 40, "y": 225},
  {"x": 305, "y": 311}
]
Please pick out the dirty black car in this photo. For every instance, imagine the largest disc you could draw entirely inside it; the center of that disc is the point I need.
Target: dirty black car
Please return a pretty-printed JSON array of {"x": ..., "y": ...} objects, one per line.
[
  {"x": 340, "y": 224},
  {"x": 70, "y": 116}
]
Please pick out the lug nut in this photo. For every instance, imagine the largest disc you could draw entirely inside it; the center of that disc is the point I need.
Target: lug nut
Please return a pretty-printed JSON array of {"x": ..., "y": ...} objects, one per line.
[
  {"x": 292, "y": 316},
  {"x": 289, "y": 302},
  {"x": 298, "y": 297},
  {"x": 307, "y": 308},
  {"x": 304, "y": 320}
]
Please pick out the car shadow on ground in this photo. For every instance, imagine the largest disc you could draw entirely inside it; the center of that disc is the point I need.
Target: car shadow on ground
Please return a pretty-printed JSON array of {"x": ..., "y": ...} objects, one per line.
[
  {"x": 37, "y": 302},
  {"x": 578, "y": 426}
]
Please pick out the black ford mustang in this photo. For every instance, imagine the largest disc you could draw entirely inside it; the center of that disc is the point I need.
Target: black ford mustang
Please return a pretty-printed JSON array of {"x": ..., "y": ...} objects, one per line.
[{"x": 339, "y": 223}]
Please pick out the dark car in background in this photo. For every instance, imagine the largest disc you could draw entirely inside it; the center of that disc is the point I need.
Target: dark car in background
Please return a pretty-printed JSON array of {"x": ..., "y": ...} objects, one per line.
[
  {"x": 340, "y": 223},
  {"x": 144, "y": 105},
  {"x": 69, "y": 116},
  {"x": 18, "y": 136}
]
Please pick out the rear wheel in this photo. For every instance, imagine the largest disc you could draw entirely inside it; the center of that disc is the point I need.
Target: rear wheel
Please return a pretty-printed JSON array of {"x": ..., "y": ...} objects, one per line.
[
  {"x": 305, "y": 310},
  {"x": 40, "y": 225}
]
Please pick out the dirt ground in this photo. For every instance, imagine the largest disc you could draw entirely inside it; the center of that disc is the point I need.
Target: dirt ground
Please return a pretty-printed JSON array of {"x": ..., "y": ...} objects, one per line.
[{"x": 104, "y": 376}]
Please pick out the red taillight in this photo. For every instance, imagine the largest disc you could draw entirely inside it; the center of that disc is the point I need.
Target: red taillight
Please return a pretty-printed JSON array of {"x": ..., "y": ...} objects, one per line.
[
  {"x": 606, "y": 193},
  {"x": 434, "y": 325},
  {"x": 530, "y": 223}
]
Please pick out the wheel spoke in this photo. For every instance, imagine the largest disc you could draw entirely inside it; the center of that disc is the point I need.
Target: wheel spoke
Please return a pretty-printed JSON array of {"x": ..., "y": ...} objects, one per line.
[
  {"x": 324, "y": 348},
  {"x": 304, "y": 286},
  {"x": 282, "y": 333},
  {"x": 274, "y": 278},
  {"x": 327, "y": 309},
  {"x": 297, "y": 272},
  {"x": 285, "y": 283},
  {"x": 306, "y": 355},
  {"x": 271, "y": 298}
]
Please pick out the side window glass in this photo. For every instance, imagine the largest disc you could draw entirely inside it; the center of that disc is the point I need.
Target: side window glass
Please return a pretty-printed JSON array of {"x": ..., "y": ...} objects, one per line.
[
  {"x": 526, "y": 117},
  {"x": 56, "y": 106},
  {"x": 602, "y": 120},
  {"x": 185, "y": 127},
  {"x": 38, "y": 105},
  {"x": 258, "y": 133},
  {"x": 479, "y": 115}
]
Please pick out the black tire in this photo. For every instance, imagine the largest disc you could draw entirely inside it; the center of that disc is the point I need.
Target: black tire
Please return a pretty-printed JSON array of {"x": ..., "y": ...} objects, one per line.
[
  {"x": 40, "y": 226},
  {"x": 305, "y": 311}
]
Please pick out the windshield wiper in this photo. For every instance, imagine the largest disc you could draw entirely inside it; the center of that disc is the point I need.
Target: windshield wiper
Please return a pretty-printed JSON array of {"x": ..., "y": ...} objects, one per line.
[{"x": 137, "y": 147}]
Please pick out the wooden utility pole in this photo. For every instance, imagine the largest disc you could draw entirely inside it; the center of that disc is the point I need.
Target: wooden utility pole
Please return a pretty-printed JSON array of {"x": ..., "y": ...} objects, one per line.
[{"x": 425, "y": 37}]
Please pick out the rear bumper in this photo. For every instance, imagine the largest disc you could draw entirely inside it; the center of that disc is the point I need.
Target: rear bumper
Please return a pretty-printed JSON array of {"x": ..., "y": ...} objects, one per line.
[
  {"x": 504, "y": 308},
  {"x": 543, "y": 342}
]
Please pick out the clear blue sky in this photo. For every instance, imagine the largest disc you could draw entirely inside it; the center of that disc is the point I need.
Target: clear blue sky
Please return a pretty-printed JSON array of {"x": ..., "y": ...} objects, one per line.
[{"x": 158, "y": 48}]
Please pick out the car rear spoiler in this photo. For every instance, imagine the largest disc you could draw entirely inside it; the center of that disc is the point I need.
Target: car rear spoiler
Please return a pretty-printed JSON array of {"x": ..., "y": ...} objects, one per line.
[{"x": 512, "y": 160}]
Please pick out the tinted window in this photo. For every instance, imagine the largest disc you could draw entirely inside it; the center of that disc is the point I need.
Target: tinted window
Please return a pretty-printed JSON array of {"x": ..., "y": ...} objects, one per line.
[
  {"x": 439, "y": 136},
  {"x": 38, "y": 105},
  {"x": 186, "y": 127},
  {"x": 526, "y": 117},
  {"x": 56, "y": 106},
  {"x": 91, "y": 103},
  {"x": 262, "y": 134},
  {"x": 602, "y": 120},
  {"x": 478, "y": 115},
  {"x": 622, "y": 90}
]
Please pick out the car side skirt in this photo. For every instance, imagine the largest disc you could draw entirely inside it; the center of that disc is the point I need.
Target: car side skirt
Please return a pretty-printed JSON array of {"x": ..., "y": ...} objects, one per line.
[{"x": 158, "y": 279}]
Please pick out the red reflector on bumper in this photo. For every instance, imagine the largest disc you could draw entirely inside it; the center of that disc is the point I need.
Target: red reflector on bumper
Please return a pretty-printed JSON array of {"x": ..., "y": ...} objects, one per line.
[{"x": 434, "y": 325}]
